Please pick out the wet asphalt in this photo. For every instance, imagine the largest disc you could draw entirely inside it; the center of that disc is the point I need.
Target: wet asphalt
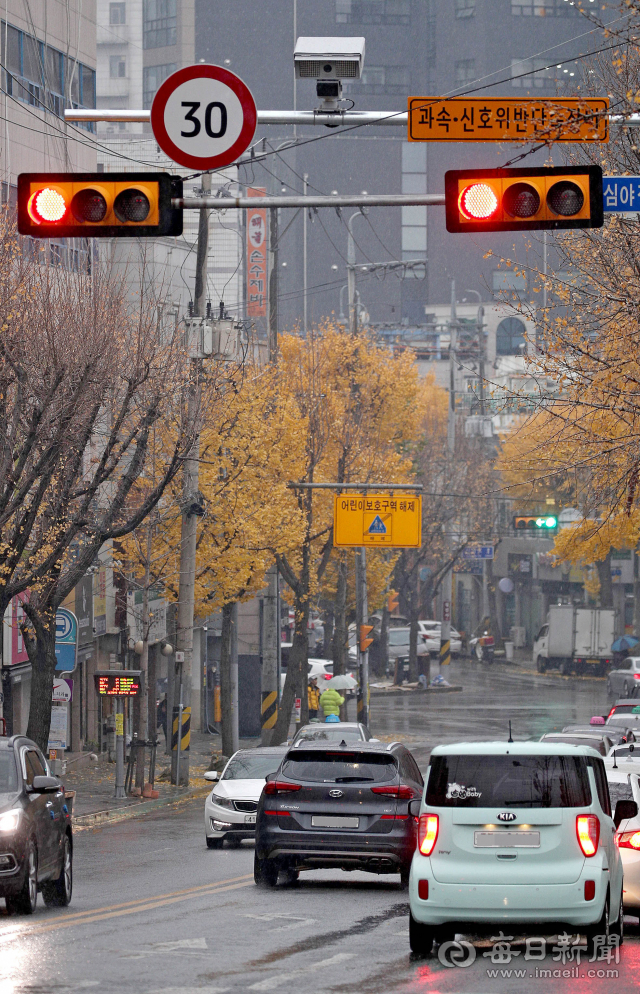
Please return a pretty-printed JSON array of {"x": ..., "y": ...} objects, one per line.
[{"x": 155, "y": 911}]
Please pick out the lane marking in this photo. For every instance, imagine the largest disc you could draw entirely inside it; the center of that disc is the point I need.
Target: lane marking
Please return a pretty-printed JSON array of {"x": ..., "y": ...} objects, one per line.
[
  {"x": 272, "y": 983},
  {"x": 127, "y": 908}
]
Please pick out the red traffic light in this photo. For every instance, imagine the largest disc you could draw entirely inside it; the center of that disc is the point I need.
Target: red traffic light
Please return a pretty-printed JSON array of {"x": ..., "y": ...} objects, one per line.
[
  {"x": 47, "y": 204},
  {"x": 478, "y": 201}
]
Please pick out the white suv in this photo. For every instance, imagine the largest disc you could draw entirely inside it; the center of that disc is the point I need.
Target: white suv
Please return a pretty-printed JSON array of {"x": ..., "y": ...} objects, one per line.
[{"x": 515, "y": 834}]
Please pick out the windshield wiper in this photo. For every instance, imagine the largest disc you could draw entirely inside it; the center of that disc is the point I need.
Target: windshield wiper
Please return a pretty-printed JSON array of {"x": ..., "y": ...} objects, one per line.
[{"x": 352, "y": 779}]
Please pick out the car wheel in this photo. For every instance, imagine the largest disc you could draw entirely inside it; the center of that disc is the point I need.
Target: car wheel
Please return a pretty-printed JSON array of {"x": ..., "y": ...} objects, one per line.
[
  {"x": 618, "y": 927},
  {"x": 598, "y": 930},
  {"x": 215, "y": 843},
  {"x": 541, "y": 664},
  {"x": 421, "y": 937},
  {"x": 57, "y": 893},
  {"x": 265, "y": 872},
  {"x": 25, "y": 902}
]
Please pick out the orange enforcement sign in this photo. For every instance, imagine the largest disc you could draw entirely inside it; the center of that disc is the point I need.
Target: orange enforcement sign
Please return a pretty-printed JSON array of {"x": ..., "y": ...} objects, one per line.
[
  {"x": 502, "y": 119},
  {"x": 377, "y": 519}
]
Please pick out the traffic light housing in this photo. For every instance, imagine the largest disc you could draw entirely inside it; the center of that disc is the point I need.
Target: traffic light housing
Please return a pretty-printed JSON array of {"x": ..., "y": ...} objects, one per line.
[
  {"x": 392, "y": 601},
  {"x": 365, "y": 642},
  {"x": 523, "y": 199},
  {"x": 535, "y": 522},
  {"x": 98, "y": 205}
]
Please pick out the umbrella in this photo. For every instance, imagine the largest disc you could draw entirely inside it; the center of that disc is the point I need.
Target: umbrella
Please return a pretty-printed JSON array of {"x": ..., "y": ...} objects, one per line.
[
  {"x": 625, "y": 643},
  {"x": 342, "y": 682}
]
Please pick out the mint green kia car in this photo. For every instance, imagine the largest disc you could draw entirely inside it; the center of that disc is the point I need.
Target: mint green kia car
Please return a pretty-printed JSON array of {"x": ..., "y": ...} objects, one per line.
[{"x": 516, "y": 835}]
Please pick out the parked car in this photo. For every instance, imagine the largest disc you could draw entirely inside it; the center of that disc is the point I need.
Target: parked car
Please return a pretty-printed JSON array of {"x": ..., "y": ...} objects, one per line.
[
  {"x": 625, "y": 786},
  {"x": 601, "y": 743},
  {"x": 515, "y": 835},
  {"x": 625, "y": 678},
  {"x": 345, "y": 807},
  {"x": 350, "y": 731},
  {"x": 610, "y": 732},
  {"x": 320, "y": 668},
  {"x": 36, "y": 844},
  {"x": 430, "y": 633},
  {"x": 624, "y": 706},
  {"x": 230, "y": 808}
]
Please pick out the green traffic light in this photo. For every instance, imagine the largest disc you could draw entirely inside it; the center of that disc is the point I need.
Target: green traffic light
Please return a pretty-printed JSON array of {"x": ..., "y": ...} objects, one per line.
[{"x": 551, "y": 522}]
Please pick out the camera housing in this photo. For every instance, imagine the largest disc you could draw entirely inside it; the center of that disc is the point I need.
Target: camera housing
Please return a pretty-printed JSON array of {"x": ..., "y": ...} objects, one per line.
[{"x": 329, "y": 61}]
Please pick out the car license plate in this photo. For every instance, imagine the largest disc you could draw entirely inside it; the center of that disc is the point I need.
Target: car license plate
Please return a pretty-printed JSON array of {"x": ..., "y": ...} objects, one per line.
[
  {"x": 501, "y": 840},
  {"x": 329, "y": 821},
  {"x": 593, "y": 662},
  {"x": 249, "y": 819}
]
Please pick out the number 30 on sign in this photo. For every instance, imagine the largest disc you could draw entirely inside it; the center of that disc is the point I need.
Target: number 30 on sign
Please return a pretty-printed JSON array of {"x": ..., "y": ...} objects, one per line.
[{"x": 203, "y": 117}]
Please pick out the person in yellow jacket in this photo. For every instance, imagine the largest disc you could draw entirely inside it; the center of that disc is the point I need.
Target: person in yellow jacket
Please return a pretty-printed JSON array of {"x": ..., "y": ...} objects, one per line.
[
  {"x": 331, "y": 701},
  {"x": 313, "y": 697}
]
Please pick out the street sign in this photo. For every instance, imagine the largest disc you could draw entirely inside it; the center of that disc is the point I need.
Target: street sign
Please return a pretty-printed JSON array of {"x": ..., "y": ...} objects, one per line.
[
  {"x": 66, "y": 639},
  {"x": 58, "y": 728},
  {"x": 203, "y": 117},
  {"x": 500, "y": 119},
  {"x": 478, "y": 552},
  {"x": 621, "y": 194},
  {"x": 377, "y": 519},
  {"x": 118, "y": 683},
  {"x": 62, "y": 691}
]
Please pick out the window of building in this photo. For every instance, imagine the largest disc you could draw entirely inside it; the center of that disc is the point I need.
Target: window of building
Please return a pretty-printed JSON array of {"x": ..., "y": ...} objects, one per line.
[
  {"x": 465, "y": 70},
  {"x": 465, "y": 8},
  {"x": 159, "y": 25},
  {"x": 373, "y": 11},
  {"x": 117, "y": 66},
  {"x": 510, "y": 337},
  {"x": 544, "y": 8},
  {"x": 152, "y": 77},
  {"x": 117, "y": 13},
  {"x": 393, "y": 80}
]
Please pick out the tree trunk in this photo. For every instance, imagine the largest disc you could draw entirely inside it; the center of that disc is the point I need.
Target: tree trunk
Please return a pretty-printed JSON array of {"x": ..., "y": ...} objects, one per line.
[
  {"x": 340, "y": 631},
  {"x": 414, "y": 611},
  {"x": 606, "y": 586},
  {"x": 226, "y": 705},
  {"x": 494, "y": 614},
  {"x": 42, "y": 656},
  {"x": 327, "y": 647},
  {"x": 295, "y": 684},
  {"x": 382, "y": 657}
]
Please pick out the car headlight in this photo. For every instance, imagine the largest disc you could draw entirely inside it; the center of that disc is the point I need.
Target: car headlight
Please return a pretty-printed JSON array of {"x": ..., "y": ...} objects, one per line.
[
  {"x": 9, "y": 820},
  {"x": 223, "y": 802}
]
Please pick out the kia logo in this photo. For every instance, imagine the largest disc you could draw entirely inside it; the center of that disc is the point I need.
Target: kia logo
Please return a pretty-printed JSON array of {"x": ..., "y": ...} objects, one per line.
[
  {"x": 337, "y": 793},
  {"x": 507, "y": 816}
]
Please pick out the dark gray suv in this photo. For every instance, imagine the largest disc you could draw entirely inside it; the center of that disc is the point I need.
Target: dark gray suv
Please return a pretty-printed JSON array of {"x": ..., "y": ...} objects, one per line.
[
  {"x": 343, "y": 805},
  {"x": 36, "y": 847}
]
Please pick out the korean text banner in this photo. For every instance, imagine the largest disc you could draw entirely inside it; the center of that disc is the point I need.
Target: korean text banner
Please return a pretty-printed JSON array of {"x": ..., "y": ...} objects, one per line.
[{"x": 256, "y": 257}]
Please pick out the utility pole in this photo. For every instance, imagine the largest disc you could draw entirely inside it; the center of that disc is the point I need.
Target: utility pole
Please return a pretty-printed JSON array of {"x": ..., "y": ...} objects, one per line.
[
  {"x": 362, "y": 617},
  {"x": 188, "y": 534},
  {"x": 305, "y": 217},
  {"x": 351, "y": 273},
  {"x": 447, "y": 582}
]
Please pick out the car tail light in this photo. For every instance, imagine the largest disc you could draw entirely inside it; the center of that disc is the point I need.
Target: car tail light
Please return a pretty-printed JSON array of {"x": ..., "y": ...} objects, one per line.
[
  {"x": 588, "y": 832},
  {"x": 279, "y": 786},
  {"x": 589, "y": 890},
  {"x": 636, "y": 676},
  {"x": 423, "y": 890},
  {"x": 427, "y": 833},
  {"x": 401, "y": 791},
  {"x": 629, "y": 840}
]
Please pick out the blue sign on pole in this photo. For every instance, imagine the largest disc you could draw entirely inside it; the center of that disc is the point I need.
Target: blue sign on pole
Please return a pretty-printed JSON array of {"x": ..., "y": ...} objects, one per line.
[
  {"x": 66, "y": 639},
  {"x": 478, "y": 552},
  {"x": 621, "y": 194}
]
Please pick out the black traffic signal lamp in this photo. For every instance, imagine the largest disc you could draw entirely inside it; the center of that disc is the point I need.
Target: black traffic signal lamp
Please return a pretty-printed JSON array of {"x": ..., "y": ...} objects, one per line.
[
  {"x": 523, "y": 199},
  {"x": 535, "y": 522},
  {"x": 98, "y": 205}
]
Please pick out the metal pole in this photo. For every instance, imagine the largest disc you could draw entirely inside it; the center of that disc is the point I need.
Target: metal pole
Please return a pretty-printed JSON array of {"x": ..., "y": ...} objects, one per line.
[
  {"x": 233, "y": 674},
  {"x": 351, "y": 275},
  {"x": 119, "y": 791},
  {"x": 188, "y": 536},
  {"x": 305, "y": 179},
  {"x": 362, "y": 614},
  {"x": 447, "y": 582},
  {"x": 394, "y": 119},
  {"x": 357, "y": 200}
]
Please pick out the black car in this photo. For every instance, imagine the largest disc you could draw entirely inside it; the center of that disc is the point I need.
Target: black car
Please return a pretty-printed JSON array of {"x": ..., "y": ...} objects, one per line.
[
  {"x": 36, "y": 846},
  {"x": 343, "y": 805}
]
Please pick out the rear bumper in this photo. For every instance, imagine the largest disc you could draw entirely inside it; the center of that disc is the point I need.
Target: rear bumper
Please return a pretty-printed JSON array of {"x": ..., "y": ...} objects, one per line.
[
  {"x": 509, "y": 903},
  {"x": 378, "y": 853}
]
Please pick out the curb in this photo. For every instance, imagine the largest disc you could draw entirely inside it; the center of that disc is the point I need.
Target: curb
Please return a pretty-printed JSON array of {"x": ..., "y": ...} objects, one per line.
[{"x": 96, "y": 819}]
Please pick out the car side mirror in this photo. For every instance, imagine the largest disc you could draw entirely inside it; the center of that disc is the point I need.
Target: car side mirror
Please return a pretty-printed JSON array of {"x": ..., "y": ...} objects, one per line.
[
  {"x": 624, "y": 810},
  {"x": 212, "y": 775},
  {"x": 414, "y": 808},
  {"x": 46, "y": 785}
]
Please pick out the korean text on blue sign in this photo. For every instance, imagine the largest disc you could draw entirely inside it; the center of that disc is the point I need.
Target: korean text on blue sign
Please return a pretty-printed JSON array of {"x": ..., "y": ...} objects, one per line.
[{"x": 621, "y": 194}]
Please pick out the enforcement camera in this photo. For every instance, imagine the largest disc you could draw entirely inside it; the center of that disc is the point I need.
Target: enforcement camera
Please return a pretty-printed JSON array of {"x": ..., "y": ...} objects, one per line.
[{"x": 329, "y": 61}]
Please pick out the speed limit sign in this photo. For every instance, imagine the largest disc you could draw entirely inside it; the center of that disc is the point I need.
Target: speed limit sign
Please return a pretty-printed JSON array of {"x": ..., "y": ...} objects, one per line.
[{"x": 203, "y": 117}]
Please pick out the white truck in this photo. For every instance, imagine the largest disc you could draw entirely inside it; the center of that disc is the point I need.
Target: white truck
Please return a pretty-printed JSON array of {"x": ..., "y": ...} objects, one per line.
[{"x": 576, "y": 640}]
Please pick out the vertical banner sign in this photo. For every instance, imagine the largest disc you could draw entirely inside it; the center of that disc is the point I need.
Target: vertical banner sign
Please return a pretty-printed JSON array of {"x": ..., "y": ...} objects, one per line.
[
  {"x": 19, "y": 652},
  {"x": 256, "y": 257}
]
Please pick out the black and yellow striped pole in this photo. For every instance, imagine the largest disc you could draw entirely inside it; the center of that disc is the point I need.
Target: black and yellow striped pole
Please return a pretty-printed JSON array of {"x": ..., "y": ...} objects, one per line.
[
  {"x": 445, "y": 651},
  {"x": 269, "y": 709}
]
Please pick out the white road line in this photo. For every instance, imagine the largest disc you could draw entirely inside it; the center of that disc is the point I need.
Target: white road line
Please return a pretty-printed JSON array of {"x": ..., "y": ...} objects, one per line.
[{"x": 272, "y": 983}]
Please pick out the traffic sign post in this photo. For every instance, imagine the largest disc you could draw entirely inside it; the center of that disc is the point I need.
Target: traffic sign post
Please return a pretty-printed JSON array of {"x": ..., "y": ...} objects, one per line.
[
  {"x": 501, "y": 119},
  {"x": 66, "y": 640},
  {"x": 203, "y": 117},
  {"x": 377, "y": 519}
]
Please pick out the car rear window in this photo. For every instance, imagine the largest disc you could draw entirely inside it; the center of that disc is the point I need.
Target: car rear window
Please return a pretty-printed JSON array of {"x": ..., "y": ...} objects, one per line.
[
  {"x": 342, "y": 767},
  {"x": 326, "y": 733},
  {"x": 625, "y": 709},
  {"x": 477, "y": 781}
]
